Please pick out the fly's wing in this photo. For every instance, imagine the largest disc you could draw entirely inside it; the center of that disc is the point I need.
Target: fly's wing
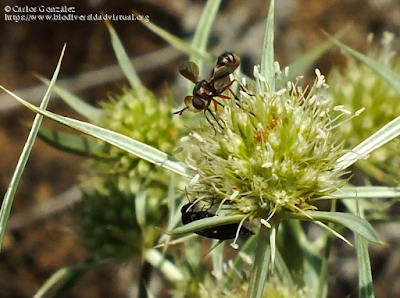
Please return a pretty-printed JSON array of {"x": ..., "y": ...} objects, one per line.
[
  {"x": 190, "y": 71},
  {"x": 226, "y": 64},
  {"x": 221, "y": 83},
  {"x": 220, "y": 72}
]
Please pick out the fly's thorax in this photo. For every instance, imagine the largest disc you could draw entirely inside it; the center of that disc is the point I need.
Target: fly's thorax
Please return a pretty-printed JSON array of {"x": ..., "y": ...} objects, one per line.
[{"x": 205, "y": 90}]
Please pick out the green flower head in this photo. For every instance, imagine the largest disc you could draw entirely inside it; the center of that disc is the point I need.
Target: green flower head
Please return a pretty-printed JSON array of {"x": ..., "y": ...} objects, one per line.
[
  {"x": 277, "y": 149},
  {"x": 110, "y": 209},
  {"x": 229, "y": 282},
  {"x": 358, "y": 86}
]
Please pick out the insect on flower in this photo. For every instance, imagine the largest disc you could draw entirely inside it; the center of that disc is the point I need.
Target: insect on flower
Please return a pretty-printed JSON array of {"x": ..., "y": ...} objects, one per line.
[
  {"x": 222, "y": 232},
  {"x": 205, "y": 91}
]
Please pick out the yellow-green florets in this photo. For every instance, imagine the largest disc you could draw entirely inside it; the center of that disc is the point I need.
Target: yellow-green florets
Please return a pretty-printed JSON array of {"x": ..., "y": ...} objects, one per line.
[
  {"x": 277, "y": 150},
  {"x": 109, "y": 223},
  {"x": 216, "y": 285},
  {"x": 357, "y": 86}
]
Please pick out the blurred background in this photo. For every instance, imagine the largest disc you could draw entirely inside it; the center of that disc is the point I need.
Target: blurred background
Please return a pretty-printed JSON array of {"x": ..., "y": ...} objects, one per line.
[{"x": 40, "y": 239}]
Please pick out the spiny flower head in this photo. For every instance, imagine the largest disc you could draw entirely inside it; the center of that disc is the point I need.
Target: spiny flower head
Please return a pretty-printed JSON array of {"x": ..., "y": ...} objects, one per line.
[
  {"x": 229, "y": 282},
  {"x": 358, "y": 86},
  {"x": 109, "y": 223},
  {"x": 276, "y": 152}
]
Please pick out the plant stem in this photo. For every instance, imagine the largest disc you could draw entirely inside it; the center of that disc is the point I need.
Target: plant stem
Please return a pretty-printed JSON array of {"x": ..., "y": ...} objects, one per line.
[
  {"x": 261, "y": 264},
  {"x": 322, "y": 285},
  {"x": 145, "y": 276}
]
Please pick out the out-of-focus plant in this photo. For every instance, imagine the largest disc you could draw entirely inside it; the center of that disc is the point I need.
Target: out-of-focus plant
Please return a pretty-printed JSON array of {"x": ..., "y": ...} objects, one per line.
[
  {"x": 358, "y": 86},
  {"x": 124, "y": 204}
]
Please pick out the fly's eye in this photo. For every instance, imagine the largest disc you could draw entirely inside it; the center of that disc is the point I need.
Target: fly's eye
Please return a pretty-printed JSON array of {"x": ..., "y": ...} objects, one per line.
[{"x": 198, "y": 103}]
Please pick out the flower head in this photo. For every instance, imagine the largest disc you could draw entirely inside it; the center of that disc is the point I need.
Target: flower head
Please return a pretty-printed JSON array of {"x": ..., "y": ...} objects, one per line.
[
  {"x": 109, "y": 218},
  {"x": 358, "y": 86},
  {"x": 229, "y": 282},
  {"x": 276, "y": 152}
]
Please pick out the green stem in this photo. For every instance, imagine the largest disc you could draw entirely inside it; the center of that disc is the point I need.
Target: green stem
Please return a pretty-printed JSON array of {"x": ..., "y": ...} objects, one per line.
[
  {"x": 166, "y": 267},
  {"x": 321, "y": 291},
  {"x": 145, "y": 276},
  {"x": 373, "y": 171},
  {"x": 261, "y": 264}
]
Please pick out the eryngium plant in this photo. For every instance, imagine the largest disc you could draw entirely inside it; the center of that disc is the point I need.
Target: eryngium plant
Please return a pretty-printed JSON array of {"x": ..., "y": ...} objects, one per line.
[
  {"x": 230, "y": 283},
  {"x": 276, "y": 152},
  {"x": 110, "y": 226},
  {"x": 358, "y": 86}
]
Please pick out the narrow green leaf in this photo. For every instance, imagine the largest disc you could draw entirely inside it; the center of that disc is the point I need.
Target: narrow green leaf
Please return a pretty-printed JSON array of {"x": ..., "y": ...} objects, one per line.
[
  {"x": 169, "y": 243},
  {"x": 169, "y": 270},
  {"x": 272, "y": 241},
  {"x": 203, "y": 29},
  {"x": 333, "y": 232},
  {"x": 217, "y": 258},
  {"x": 284, "y": 273},
  {"x": 301, "y": 64},
  {"x": 123, "y": 142},
  {"x": 267, "y": 56},
  {"x": 356, "y": 224},
  {"x": 368, "y": 192},
  {"x": 375, "y": 141},
  {"x": 74, "y": 144},
  {"x": 290, "y": 231},
  {"x": 174, "y": 213},
  {"x": 54, "y": 279},
  {"x": 23, "y": 159},
  {"x": 261, "y": 265},
  {"x": 365, "y": 284},
  {"x": 144, "y": 279},
  {"x": 373, "y": 170},
  {"x": 382, "y": 70},
  {"x": 172, "y": 200},
  {"x": 149, "y": 293},
  {"x": 65, "y": 278},
  {"x": 202, "y": 34},
  {"x": 205, "y": 223},
  {"x": 79, "y": 105},
  {"x": 322, "y": 287},
  {"x": 312, "y": 271},
  {"x": 140, "y": 207},
  {"x": 192, "y": 251},
  {"x": 246, "y": 252},
  {"x": 178, "y": 43},
  {"x": 123, "y": 60},
  {"x": 292, "y": 238}
]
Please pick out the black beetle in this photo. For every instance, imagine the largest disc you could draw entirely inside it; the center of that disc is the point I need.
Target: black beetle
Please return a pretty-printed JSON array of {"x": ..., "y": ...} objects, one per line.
[{"x": 221, "y": 232}]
